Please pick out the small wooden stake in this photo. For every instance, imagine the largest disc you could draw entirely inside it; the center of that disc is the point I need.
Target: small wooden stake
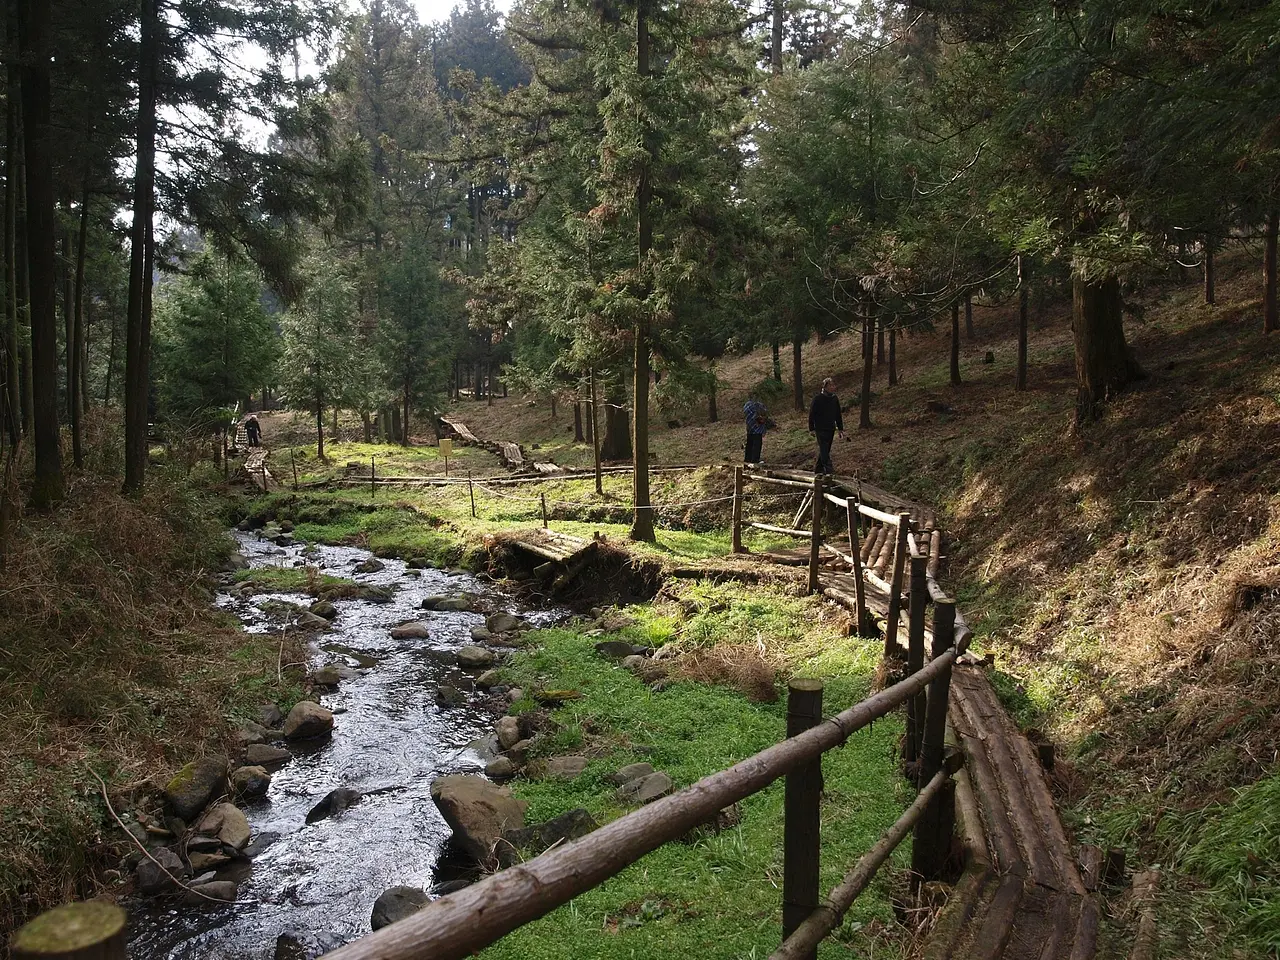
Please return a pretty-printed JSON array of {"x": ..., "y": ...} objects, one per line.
[
  {"x": 471, "y": 490},
  {"x": 544, "y": 509},
  {"x": 737, "y": 510},
  {"x": 918, "y": 602},
  {"x": 895, "y": 586},
  {"x": 802, "y": 799},
  {"x": 929, "y": 847},
  {"x": 815, "y": 536},
  {"x": 855, "y": 554},
  {"x": 373, "y": 478},
  {"x": 294, "y": 463},
  {"x": 90, "y": 930}
]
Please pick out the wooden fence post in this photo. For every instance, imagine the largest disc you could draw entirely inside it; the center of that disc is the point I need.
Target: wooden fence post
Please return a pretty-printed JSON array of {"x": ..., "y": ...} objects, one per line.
[
  {"x": 815, "y": 536},
  {"x": 737, "y": 510},
  {"x": 90, "y": 930},
  {"x": 855, "y": 555},
  {"x": 918, "y": 603},
  {"x": 471, "y": 490},
  {"x": 373, "y": 478},
  {"x": 895, "y": 588},
  {"x": 801, "y": 828},
  {"x": 544, "y": 510},
  {"x": 294, "y": 463},
  {"x": 930, "y": 847},
  {"x": 263, "y": 468}
]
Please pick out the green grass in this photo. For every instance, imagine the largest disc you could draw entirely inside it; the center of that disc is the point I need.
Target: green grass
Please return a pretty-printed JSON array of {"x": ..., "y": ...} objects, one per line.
[
  {"x": 1235, "y": 848},
  {"x": 720, "y": 895},
  {"x": 390, "y": 460},
  {"x": 294, "y": 580}
]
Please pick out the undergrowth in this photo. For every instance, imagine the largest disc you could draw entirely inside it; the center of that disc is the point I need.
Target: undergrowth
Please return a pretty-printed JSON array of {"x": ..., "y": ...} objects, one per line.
[{"x": 112, "y": 661}]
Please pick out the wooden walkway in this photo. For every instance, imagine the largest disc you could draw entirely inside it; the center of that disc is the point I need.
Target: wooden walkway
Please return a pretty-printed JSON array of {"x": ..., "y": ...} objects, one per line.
[{"x": 1022, "y": 895}]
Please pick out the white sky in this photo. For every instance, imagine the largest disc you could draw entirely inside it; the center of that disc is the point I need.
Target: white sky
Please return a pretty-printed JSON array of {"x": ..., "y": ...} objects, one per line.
[{"x": 430, "y": 11}]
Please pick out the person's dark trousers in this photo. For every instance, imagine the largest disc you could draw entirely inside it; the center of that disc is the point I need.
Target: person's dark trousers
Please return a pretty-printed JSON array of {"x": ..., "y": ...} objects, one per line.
[
  {"x": 755, "y": 443},
  {"x": 825, "y": 439}
]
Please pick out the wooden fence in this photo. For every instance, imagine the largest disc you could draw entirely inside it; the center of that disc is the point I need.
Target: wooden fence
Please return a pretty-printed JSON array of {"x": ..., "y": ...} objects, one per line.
[{"x": 462, "y": 923}]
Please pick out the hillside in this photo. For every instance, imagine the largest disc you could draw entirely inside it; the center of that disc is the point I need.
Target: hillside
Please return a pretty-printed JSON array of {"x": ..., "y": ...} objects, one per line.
[{"x": 1126, "y": 576}]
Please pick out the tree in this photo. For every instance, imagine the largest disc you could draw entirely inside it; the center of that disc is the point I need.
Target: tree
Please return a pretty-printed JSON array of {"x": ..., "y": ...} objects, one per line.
[
  {"x": 319, "y": 342},
  {"x": 215, "y": 343},
  {"x": 415, "y": 313}
]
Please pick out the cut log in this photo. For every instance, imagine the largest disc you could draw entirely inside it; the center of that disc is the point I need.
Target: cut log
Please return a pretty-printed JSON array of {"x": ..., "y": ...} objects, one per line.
[
  {"x": 1090, "y": 860},
  {"x": 787, "y": 530}
]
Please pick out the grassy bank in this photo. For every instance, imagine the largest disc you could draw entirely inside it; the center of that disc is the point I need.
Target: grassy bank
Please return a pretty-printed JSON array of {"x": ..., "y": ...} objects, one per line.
[
  {"x": 718, "y": 894},
  {"x": 111, "y": 662}
]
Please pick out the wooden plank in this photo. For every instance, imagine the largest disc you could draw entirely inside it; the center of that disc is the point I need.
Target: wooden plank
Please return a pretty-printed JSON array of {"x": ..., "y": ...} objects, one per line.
[
  {"x": 840, "y": 502},
  {"x": 871, "y": 513},
  {"x": 789, "y": 531}
]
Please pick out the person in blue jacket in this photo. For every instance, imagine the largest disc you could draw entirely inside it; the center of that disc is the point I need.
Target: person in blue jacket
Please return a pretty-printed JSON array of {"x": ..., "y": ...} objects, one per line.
[{"x": 825, "y": 422}]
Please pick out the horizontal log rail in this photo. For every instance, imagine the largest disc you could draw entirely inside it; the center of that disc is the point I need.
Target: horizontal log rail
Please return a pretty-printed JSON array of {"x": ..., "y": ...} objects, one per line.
[
  {"x": 462, "y": 923},
  {"x": 789, "y": 531}
]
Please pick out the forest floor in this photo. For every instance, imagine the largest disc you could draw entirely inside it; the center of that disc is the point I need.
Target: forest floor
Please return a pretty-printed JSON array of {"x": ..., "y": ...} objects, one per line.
[{"x": 1125, "y": 574}]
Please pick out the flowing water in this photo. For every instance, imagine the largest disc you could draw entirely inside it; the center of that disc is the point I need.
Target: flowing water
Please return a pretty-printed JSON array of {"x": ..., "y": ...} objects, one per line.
[{"x": 389, "y": 736}]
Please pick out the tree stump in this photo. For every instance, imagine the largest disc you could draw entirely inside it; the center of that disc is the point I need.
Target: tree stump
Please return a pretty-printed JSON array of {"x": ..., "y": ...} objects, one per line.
[{"x": 91, "y": 930}]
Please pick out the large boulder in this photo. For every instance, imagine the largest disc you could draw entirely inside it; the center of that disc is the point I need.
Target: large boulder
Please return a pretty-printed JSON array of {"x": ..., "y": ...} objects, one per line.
[
  {"x": 478, "y": 811},
  {"x": 264, "y": 755},
  {"x": 228, "y": 823},
  {"x": 211, "y": 894},
  {"x": 455, "y": 602},
  {"x": 475, "y": 658},
  {"x": 372, "y": 565},
  {"x": 195, "y": 785},
  {"x": 396, "y": 904},
  {"x": 334, "y": 802},
  {"x": 645, "y": 789},
  {"x": 508, "y": 731},
  {"x": 325, "y": 609},
  {"x": 503, "y": 622},
  {"x": 632, "y": 771},
  {"x": 500, "y": 768},
  {"x": 309, "y": 621},
  {"x": 414, "y": 630},
  {"x": 251, "y": 783},
  {"x": 156, "y": 876},
  {"x": 307, "y": 720}
]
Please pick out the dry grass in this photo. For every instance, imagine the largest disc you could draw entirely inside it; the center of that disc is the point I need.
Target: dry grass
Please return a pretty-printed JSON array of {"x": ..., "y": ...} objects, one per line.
[
  {"x": 747, "y": 668},
  {"x": 110, "y": 659}
]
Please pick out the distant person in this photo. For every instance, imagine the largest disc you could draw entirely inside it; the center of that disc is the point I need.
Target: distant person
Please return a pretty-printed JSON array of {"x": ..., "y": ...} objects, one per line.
[
  {"x": 758, "y": 423},
  {"x": 825, "y": 422},
  {"x": 253, "y": 430}
]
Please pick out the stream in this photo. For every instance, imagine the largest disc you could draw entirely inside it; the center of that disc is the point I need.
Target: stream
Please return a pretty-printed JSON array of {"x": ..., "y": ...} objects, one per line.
[{"x": 389, "y": 735}]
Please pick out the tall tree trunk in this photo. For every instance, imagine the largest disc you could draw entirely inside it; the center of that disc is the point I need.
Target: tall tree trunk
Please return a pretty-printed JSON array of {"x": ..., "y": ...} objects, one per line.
[
  {"x": 333, "y": 424},
  {"x": 404, "y": 438},
  {"x": 595, "y": 431},
  {"x": 12, "y": 382},
  {"x": 777, "y": 361},
  {"x": 955, "y": 344},
  {"x": 47, "y": 484},
  {"x": 880, "y": 342},
  {"x": 553, "y": 406},
  {"x": 397, "y": 428},
  {"x": 138, "y": 329},
  {"x": 868, "y": 345},
  {"x": 968, "y": 316},
  {"x": 367, "y": 422},
  {"x": 1208, "y": 269},
  {"x": 320, "y": 428},
  {"x": 68, "y": 319},
  {"x": 893, "y": 356},
  {"x": 775, "y": 37},
  {"x": 616, "y": 442},
  {"x": 642, "y": 521},
  {"x": 1024, "y": 278},
  {"x": 577, "y": 423},
  {"x": 77, "y": 332},
  {"x": 797, "y": 380},
  {"x": 1103, "y": 363},
  {"x": 1269, "y": 319},
  {"x": 26, "y": 396}
]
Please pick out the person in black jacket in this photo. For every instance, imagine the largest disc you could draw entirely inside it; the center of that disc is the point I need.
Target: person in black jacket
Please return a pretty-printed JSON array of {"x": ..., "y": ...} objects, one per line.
[{"x": 824, "y": 422}]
